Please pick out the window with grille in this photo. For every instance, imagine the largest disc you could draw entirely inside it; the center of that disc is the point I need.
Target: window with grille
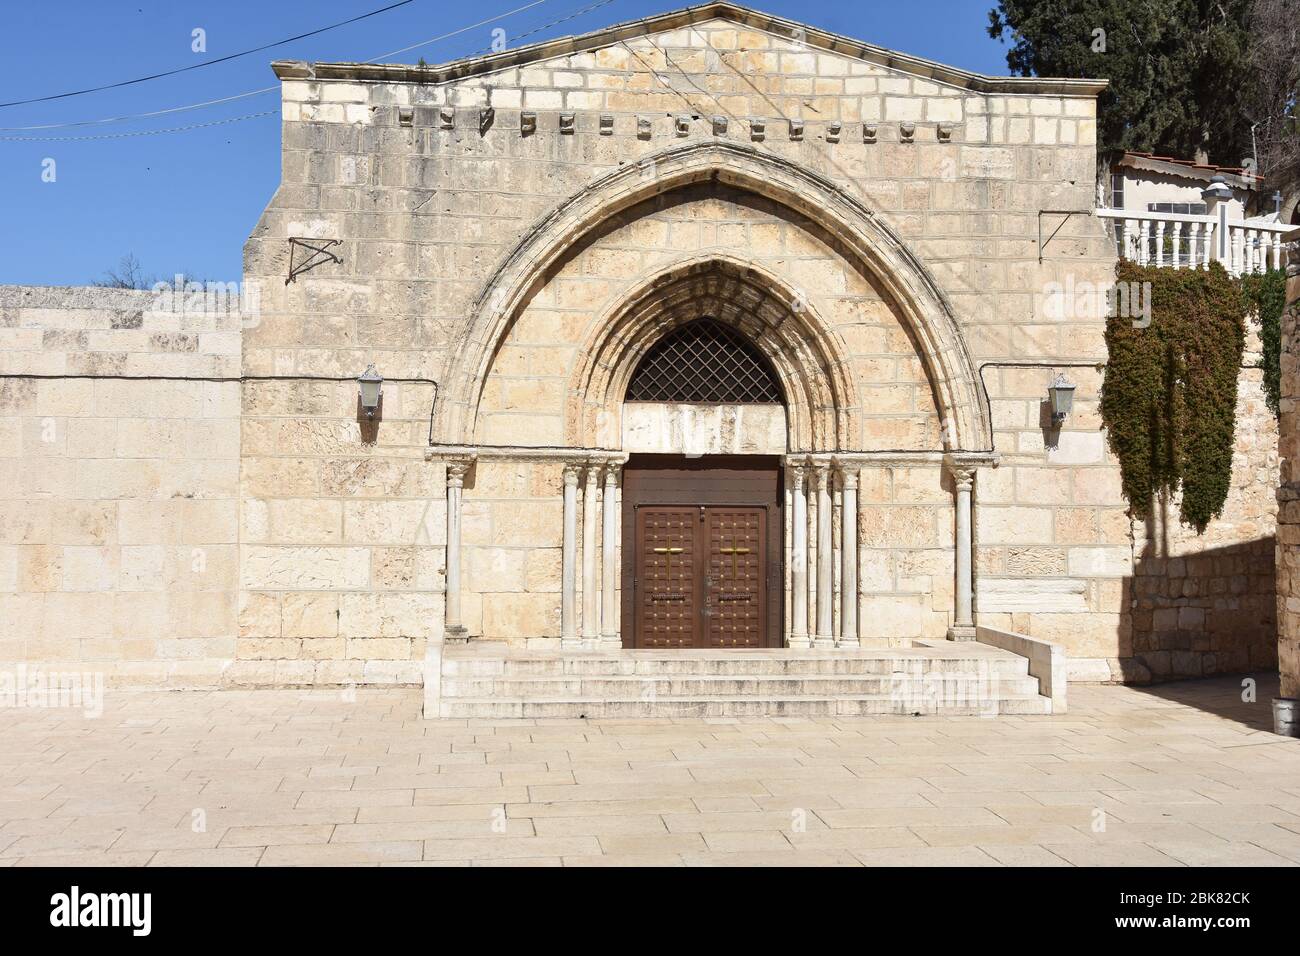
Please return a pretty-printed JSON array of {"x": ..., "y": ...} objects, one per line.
[{"x": 704, "y": 361}]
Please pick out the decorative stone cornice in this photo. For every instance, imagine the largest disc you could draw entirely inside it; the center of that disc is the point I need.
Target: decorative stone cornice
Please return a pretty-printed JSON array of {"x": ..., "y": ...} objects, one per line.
[
  {"x": 885, "y": 459},
  {"x": 580, "y": 456},
  {"x": 810, "y": 36}
]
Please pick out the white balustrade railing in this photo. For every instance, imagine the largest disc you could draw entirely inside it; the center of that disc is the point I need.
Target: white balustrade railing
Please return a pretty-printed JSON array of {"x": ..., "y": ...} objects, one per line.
[{"x": 1182, "y": 241}]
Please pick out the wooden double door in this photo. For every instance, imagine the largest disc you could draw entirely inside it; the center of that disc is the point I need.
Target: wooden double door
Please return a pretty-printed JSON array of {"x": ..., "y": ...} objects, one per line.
[{"x": 704, "y": 570}]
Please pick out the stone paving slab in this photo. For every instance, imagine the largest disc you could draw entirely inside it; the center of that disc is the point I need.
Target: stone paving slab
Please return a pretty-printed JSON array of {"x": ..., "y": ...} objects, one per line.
[{"x": 1182, "y": 774}]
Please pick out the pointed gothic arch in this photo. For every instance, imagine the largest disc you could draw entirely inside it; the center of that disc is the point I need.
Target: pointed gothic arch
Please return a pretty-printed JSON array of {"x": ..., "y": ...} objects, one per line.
[
  {"x": 807, "y": 360},
  {"x": 922, "y": 304}
]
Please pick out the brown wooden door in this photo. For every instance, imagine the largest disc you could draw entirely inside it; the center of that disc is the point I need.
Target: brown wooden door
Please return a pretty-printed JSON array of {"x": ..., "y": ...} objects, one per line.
[
  {"x": 735, "y": 602},
  {"x": 668, "y": 599},
  {"x": 701, "y": 576}
]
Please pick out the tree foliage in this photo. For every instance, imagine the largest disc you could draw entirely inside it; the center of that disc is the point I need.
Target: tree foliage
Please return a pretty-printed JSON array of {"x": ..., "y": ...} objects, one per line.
[
  {"x": 130, "y": 274},
  {"x": 1186, "y": 76},
  {"x": 1169, "y": 396},
  {"x": 1273, "y": 101}
]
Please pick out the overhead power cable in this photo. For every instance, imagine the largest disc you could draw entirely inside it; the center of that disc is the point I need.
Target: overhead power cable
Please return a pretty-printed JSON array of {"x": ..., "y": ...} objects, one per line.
[
  {"x": 212, "y": 62},
  {"x": 271, "y": 89},
  {"x": 140, "y": 132},
  {"x": 138, "y": 116}
]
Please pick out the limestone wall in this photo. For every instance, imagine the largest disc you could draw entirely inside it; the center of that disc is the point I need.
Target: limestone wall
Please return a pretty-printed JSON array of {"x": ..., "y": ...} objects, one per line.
[
  {"x": 1059, "y": 557},
  {"x": 430, "y": 185},
  {"x": 324, "y": 537},
  {"x": 118, "y": 498},
  {"x": 342, "y": 539},
  {"x": 1206, "y": 604}
]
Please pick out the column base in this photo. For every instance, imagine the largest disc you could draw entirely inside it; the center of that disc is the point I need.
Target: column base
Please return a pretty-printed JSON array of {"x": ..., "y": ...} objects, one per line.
[
  {"x": 823, "y": 643},
  {"x": 610, "y": 642},
  {"x": 800, "y": 641},
  {"x": 456, "y": 634},
  {"x": 964, "y": 632},
  {"x": 572, "y": 644},
  {"x": 850, "y": 643}
]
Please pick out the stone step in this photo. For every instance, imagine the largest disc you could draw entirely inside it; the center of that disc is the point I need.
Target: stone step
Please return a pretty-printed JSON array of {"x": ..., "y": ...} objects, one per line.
[
  {"x": 764, "y": 686},
  {"x": 505, "y": 708},
  {"x": 729, "y": 666}
]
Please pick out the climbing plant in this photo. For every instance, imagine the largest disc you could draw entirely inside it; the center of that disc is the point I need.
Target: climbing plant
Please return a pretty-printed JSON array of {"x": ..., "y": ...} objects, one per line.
[
  {"x": 1169, "y": 396},
  {"x": 1265, "y": 295}
]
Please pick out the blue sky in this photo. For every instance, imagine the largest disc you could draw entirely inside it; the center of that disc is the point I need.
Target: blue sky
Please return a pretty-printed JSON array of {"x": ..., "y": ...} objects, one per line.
[{"x": 185, "y": 201}]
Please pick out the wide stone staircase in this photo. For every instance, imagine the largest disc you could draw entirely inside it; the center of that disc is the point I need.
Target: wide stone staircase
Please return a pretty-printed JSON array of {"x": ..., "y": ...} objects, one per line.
[{"x": 483, "y": 680}]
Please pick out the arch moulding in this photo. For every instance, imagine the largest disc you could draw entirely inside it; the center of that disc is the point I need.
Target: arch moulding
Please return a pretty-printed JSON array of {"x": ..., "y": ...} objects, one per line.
[
  {"x": 807, "y": 358},
  {"x": 922, "y": 304}
]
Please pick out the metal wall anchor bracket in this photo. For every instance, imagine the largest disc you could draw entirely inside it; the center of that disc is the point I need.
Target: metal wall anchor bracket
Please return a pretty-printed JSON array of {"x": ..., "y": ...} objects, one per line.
[{"x": 316, "y": 252}]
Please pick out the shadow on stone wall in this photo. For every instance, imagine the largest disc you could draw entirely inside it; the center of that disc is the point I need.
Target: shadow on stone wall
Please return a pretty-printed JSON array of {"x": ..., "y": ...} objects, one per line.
[{"x": 1209, "y": 613}]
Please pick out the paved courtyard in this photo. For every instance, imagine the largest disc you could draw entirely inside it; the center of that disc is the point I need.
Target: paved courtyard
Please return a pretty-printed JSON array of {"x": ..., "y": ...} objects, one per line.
[{"x": 1184, "y": 774}]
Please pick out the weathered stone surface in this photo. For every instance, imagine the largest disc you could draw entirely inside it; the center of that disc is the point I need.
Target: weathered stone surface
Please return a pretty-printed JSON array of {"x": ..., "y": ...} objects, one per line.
[{"x": 264, "y": 521}]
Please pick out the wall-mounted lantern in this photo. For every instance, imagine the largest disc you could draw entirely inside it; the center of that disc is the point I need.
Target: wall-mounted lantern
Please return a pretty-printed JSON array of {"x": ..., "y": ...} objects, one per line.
[
  {"x": 1060, "y": 397},
  {"x": 371, "y": 384}
]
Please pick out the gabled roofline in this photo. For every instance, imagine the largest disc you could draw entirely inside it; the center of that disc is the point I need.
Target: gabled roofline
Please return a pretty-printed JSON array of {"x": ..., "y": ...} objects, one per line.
[{"x": 718, "y": 9}]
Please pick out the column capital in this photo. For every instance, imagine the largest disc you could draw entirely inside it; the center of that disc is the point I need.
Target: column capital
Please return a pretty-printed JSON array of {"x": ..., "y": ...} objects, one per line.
[
  {"x": 571, "y": 470},
  {"x": 963, "y": 472},
  {"x": 612, "y": 469},
  {"x": 821, "y": 475},
  {"x": 456, "y": 469}
]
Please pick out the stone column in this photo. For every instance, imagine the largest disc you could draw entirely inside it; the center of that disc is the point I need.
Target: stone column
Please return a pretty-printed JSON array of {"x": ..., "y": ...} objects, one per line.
[
  {"x": 849, "y": 556},
  {"x": 569, "y": 564},
  {"x": 963, "y": 626},
  {"x": 825, "y": 637},
  {"x": 798, "y": 559},
  {"x": 455, "y": 629},
  {"x": 609, "y": 637},
  {"x": 590, "y": 592}
]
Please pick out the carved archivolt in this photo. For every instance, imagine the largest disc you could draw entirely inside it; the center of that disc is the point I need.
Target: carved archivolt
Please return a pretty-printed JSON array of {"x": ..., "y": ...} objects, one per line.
[
  {"x": 807, "y": 358},
  {"x": 821, "y": 395}
]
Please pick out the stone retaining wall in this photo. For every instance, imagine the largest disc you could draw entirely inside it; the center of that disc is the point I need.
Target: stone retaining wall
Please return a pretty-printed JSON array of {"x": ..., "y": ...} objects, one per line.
[{"x": 119, "y": 517}]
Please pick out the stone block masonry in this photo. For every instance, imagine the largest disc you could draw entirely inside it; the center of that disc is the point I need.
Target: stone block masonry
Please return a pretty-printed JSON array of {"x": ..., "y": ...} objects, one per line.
[
  {"x": 521, "y": 228},
  {"x": 119, "y": 497}
]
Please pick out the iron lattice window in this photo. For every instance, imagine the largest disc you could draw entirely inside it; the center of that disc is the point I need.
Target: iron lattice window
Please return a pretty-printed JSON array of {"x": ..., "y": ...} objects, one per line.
[{"x": 704, "y": 361}]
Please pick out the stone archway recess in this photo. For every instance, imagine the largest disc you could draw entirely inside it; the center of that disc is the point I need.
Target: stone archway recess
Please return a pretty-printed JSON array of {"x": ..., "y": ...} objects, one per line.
[
  {"x": 821, "y": 404},
  {"x": 965, "y": 426}
]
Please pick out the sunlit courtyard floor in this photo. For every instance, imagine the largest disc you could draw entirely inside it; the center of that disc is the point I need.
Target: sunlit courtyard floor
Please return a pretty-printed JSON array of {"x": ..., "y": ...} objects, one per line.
[{"x": 1181, "y": 774}]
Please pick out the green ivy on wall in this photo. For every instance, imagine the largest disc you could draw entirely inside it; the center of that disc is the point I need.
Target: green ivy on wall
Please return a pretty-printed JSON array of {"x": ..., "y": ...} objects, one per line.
[
  {"x": 1266, "y": 297},
  {"x": 1169, "y": 396}
]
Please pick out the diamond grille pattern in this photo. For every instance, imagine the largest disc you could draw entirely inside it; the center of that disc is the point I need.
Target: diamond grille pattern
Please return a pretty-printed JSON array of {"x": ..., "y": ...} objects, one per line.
[{"x": 704, "y": 361}]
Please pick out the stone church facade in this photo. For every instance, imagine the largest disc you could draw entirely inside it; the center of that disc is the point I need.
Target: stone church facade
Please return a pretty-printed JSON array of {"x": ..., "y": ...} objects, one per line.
[{"x": 710, "y": 330}]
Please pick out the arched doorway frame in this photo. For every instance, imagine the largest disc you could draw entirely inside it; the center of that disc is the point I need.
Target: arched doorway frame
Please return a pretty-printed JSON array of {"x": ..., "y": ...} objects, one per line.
[{"x": 923, "y": 306}]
